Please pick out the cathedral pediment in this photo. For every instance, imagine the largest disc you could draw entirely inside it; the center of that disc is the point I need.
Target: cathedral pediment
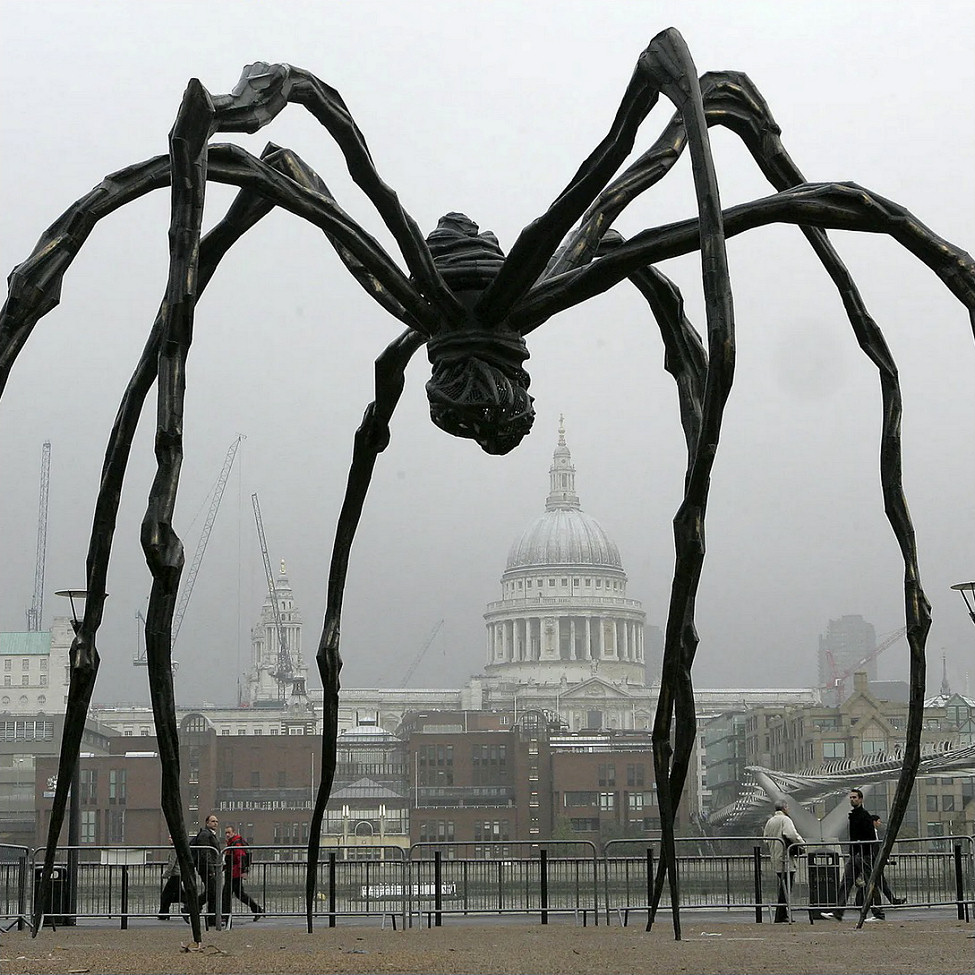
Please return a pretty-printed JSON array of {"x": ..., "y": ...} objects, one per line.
[{"x": 595, "y": 689}]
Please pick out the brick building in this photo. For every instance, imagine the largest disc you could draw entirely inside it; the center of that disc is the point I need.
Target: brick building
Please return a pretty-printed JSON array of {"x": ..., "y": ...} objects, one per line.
[{"x": 476, "y": 777}]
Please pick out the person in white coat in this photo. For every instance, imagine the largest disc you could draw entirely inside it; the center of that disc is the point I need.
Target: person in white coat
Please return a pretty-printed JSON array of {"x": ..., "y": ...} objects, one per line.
[{"x": 784, "y": 845}]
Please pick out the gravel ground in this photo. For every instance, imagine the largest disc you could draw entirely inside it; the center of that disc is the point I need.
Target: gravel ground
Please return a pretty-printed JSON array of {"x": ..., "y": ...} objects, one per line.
[{"x": 894, "y": 947}]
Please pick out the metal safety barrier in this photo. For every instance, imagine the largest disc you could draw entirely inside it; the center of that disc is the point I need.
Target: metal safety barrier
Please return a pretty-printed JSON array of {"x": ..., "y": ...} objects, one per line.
[{"x": 433, "y": 880}]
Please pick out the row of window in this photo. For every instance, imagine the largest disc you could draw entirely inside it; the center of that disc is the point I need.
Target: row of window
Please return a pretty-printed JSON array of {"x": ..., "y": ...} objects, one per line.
[
  {"x": 116, "y": 786},
  {"x": 29, "y": 729},
  {"x": 635, "y": 775},
  {"x": 436, "y": 831},
  {"x": 113, "y": 821},
  {"x": 8, "y": 663},
  {"x": 435, "y": 756},
  {"x": 25, "y": 681},
  {"x": 607, "y": 800},
  {"x": 523, "y": 584},
  {"x": 591, "y": 825},
  {"x": 489, "y": 755},
  {"x": 492, "y": 830}
]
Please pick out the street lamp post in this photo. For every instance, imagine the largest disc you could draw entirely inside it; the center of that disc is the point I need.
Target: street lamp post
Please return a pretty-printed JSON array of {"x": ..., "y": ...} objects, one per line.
[
  {"x": 74, "y": 805},
  {"x": 967, "y": 590}
]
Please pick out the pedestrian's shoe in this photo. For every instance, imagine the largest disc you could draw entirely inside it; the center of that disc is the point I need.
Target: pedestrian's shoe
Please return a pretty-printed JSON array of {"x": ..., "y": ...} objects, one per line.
[
  {"x": 258, "y": 914},
  {"x": 832, "y": 915},
  {"x": 876, "y": 917},
  {"x": 898, "y": 900},
  {"x": 163, "y": 917}
]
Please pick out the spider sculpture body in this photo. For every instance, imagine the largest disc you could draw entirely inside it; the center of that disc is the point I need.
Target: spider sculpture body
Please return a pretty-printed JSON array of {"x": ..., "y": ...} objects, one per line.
[{"x": 472, "y": 307}]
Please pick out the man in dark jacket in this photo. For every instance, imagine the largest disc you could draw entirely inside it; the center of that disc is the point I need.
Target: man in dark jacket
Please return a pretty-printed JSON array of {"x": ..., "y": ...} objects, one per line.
[
  {"x": 206, "y": 857},
  {"x": 863, "y": 852}
]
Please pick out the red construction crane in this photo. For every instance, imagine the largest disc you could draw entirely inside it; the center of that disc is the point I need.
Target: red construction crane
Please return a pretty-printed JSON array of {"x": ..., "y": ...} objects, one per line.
[{"x": 837, "y": 680}]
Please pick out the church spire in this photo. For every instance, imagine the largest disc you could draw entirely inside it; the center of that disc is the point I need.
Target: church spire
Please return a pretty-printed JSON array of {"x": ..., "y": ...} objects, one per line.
[{"x": 562, "y": 476}]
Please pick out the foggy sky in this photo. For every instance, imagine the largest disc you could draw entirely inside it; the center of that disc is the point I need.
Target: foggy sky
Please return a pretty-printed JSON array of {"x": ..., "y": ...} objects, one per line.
[{"x": 489, "y": 109}]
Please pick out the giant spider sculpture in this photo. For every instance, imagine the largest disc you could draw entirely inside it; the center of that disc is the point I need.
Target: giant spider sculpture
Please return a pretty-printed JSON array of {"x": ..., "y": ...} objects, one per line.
[{"x": 471, "y": 306}]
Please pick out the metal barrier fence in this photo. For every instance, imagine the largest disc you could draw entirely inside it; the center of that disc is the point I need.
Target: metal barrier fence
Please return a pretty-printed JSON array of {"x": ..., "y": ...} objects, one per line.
[
  {"x": 13, "y": 886},
  {"x": 430, "y": 880}
]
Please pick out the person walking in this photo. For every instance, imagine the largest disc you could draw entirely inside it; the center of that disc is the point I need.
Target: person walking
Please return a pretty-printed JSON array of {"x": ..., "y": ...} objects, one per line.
[
  {"x": 884, "y": 886},
  {"x": 172, "y": 891},
  {"x": 206, "y": 856},
  {"x": 236, "y": 867},
  {"x": 784, "y": 844},
  {"x": 863, "y": 852}
]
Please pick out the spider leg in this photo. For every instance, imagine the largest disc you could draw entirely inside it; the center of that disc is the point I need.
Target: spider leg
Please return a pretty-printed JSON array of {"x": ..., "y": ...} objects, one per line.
[
  {"x": 730, "y": 100},
  {"x": 371, "y": 439},
  {"x": 246, "y": 210},
  {"x": 264, "y": 90},
  {"x": 538, "y": 241}
]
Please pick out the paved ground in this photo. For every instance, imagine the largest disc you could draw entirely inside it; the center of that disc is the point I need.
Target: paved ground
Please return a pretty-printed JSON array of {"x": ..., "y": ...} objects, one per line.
[{"x": 898, "y": 947}]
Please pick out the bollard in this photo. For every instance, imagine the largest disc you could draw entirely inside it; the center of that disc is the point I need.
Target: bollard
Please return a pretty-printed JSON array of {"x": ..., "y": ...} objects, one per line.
[
  {"x": 331, "y": 889},
  {"x": 960, "y": 885},
  {"x": 544, "y": 883},
  {"x": 437, "y": 895},
  {"x": 125, "y": 898},
  {"x": 757, "y": 856}
]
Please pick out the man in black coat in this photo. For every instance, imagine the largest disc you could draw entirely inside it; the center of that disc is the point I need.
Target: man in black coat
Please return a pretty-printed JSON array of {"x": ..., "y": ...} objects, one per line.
[
  {"x": 206, "y": 856},
  {"x": 863, "y": 852}
]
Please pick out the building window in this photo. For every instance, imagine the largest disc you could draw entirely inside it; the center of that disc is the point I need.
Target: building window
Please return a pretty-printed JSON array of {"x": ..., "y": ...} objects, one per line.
[
  {"x": 25, "y": 680},
  {"x": 580, "y": 798},
  {"x": 255, "y": 779},
  {"x": 116, "y": 789},
  {"x": 492, "y": 831},
  {"x": 872, "y": 746},
  {"x": 584, "y": 825},
  {"x": 116, "y": 826},
  {"x": 635, "y": 775},
  {"x": 931, "y": 802},
  {"x": 831, "y": 749},
  {"x": 89, "y": 787},
  {"x": 607, "y": 800},
  {"x": 43, "y": 663},
  {"x": 7, "y": 664},
  {"x": 948, "y": 802},
  {"x": 25, "y": 664},
  {"x": 89, "y": 825},
  {"x": 607, "y": 775}
]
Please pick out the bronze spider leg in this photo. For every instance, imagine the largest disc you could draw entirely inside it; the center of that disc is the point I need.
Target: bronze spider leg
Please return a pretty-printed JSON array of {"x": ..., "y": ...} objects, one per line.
[
  {"x": 371, "y": 438},
  {"x": 668, "y": 65},
  {"x": 246, "y": 210},
  {"x": 733, "y": 101},
  {"x": 844, "y": 206},
  {"x": 35, "y": 289}
]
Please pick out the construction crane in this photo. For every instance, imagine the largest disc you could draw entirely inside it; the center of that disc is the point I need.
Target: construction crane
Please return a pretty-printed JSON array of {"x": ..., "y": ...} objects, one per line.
[
  {"x": 285, "y": 673},
  {"x": 36, "y": 612},
  {"x": 216, "y": 495},
  {"x": 419, "y": 655},
  {"x": 837, "y": 680}
]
